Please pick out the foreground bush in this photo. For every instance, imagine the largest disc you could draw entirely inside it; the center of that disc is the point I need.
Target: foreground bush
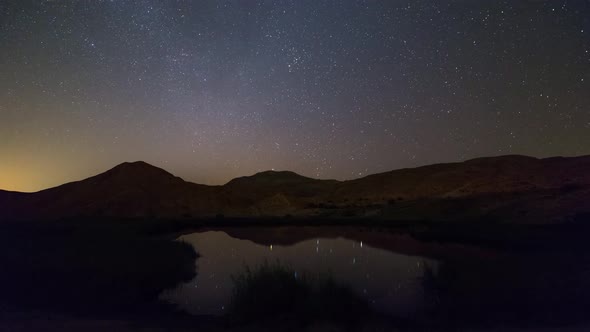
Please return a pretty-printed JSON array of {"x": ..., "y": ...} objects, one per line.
[{"x": 276, "y": 292}]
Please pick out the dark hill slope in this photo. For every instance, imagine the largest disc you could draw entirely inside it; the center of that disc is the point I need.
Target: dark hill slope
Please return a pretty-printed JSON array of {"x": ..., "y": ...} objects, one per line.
[
  {"x": 474, "y": 177},
  {"x": 508, "y": 188},
  {"x": 513, "y": 188},
  {"x": 275, "y": 193},
  {"x": 129, "y": 190}
]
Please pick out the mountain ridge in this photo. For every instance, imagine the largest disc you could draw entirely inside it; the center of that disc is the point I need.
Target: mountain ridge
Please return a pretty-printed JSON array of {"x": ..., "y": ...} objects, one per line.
[{"x": 504, "y": 187}]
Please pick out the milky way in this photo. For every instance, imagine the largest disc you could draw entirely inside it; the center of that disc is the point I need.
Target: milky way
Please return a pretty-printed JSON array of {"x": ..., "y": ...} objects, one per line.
[{"x": 210, "y": 90}]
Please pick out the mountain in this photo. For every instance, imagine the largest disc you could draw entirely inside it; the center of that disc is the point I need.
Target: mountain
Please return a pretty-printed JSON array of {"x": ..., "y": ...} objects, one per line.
[
  {"x": 506, "y": 188},
  {"x": 129, "y": 190},
  {"x": 513, "y": 188},
  {"x": 276, "y": 193},
  {"x": 271, "y": 178}
]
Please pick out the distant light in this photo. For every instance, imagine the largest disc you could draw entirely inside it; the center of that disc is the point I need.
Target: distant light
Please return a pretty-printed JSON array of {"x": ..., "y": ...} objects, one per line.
[
  {"x": 361, "y": 244},
  {"x": 271, "y": 247}
]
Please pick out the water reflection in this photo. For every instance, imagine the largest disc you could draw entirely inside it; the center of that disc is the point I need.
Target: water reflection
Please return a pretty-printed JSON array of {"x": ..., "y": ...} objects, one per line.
[{"x": 388, "y": 281}]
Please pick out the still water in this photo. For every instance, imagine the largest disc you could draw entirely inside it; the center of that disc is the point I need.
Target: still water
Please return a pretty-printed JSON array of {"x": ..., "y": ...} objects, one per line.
[
  {"x": 397, "y": 274},
  {"x": 391, "y": 282}
]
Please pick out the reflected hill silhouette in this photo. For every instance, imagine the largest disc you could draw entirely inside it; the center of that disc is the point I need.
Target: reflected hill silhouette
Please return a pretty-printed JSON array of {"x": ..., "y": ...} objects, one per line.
[{"x": 387, "y": 240}]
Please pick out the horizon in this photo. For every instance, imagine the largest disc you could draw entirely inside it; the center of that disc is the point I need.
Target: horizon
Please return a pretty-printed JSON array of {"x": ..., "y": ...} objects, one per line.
[{"x": 285, "y": 170}]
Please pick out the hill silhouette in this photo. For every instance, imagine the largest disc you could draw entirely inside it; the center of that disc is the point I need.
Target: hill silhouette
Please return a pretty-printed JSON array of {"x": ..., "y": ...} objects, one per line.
[{"x": 508, "y": 188}]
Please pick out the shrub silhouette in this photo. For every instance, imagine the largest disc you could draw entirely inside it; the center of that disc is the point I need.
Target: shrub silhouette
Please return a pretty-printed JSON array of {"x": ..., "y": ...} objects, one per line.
[{"x": 274, "y": 291}]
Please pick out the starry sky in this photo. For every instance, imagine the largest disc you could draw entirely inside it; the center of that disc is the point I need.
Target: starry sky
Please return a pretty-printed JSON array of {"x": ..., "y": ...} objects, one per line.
[{"x": 210, "y": 90}]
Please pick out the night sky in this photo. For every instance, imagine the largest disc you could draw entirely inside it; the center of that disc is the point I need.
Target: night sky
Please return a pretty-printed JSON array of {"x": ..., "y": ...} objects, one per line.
[{"x": 211, "y": 90}]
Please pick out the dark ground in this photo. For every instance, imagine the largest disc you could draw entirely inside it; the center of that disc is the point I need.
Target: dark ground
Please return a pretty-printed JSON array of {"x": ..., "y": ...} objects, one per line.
[{"x": 74, "y": 275}]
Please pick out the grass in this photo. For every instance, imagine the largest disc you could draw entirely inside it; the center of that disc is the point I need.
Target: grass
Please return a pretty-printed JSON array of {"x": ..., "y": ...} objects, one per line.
[{"x": 272, "y": 292}]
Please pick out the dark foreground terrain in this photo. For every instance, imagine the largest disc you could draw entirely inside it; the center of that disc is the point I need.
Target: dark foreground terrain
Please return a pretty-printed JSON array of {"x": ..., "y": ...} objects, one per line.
[
  {"x": 91, "y": 271},
  {"x": 107, "y": 276}
]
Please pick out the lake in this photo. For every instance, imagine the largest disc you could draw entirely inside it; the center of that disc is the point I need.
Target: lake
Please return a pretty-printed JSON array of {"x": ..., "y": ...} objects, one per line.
[
  {"x": 394, "y": 273},
  {"x": 391, "y": 282}
]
